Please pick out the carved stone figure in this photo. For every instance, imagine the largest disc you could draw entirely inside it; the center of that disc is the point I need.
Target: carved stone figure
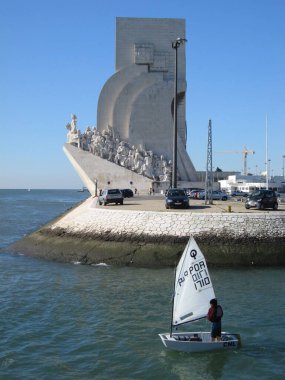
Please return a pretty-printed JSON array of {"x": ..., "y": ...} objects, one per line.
[
  {"x": 129, "y": 163},
  {"x": 73, "y": 123},
  {"x": 147, "y": 166},
  {"x": 108, "y": 146},
  {"x": 73, "y": 136},
  {"x": 167, "y": 171},
  {"x": 138, "y": 162}
]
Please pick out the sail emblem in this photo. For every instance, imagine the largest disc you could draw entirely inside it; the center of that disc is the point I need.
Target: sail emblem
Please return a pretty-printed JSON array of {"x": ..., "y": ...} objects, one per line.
[{"x": 193, "y": 253}]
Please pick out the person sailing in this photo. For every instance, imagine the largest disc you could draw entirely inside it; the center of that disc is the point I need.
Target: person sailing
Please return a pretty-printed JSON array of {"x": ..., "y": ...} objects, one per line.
[{"x": 215, "y": 315}]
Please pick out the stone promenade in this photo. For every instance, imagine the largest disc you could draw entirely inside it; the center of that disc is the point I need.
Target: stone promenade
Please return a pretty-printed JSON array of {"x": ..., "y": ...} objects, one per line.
[
  {"x": 143, "y": 233},
  {"x": 156, "y": 203}
]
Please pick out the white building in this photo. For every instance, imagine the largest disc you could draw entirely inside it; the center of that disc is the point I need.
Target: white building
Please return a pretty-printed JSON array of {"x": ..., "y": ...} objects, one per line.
[{"x": 249, "y": 183}]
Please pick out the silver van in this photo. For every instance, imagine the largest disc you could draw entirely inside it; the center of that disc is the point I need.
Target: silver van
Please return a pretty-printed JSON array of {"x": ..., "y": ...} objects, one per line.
[{"x": 111, "y": 196}]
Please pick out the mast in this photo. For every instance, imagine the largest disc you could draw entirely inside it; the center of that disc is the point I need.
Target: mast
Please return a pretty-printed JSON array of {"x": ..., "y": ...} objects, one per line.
[
  {"x": 266, "y": 152},
  {"x": 173, "y": 295}
]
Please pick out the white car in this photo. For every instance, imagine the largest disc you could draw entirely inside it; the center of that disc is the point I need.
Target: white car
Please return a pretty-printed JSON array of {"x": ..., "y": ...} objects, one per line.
[
  {"x": 111, "y": 196},
  {"x": 216, "y": 195}
]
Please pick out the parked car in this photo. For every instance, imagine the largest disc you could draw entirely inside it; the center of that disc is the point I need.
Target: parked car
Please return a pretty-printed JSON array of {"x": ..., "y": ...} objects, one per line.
[
  {"x": 176, "y": 198},
  {"x": 216, "y": 195},
  {"x": 239, "y": 194},
  {"x": 111, "y": 196},
  {"x": 261, "y": 199},
  {"x": 188, "y": 190},
  {"x": 280, "y": 197},
  {"x": 194, "y": 193},
  {"x": 127, "y": 193}
]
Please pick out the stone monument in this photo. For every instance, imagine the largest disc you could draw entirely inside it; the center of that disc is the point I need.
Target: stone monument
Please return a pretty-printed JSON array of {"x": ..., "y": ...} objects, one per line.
[
  {"x": 137, "y": 101},
  {"x": 135, "y": 113}
]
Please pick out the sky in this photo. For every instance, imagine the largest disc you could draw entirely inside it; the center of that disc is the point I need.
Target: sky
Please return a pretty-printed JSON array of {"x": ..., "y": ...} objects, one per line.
[{"x": 56, "y": 55}]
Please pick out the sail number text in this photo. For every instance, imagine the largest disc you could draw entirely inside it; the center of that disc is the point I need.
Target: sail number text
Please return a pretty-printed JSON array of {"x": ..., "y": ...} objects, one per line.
[{"x": 199, "y": 274}]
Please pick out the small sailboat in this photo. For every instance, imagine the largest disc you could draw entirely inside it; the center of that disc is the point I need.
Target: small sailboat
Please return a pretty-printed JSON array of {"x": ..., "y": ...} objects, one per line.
[
  {"x": 81, "y": 190},
  {"x": 193, "y": 291}
]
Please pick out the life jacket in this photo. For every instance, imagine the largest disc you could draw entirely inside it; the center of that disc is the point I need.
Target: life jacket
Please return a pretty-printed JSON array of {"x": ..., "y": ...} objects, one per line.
[{"x": 215, "y": 314}]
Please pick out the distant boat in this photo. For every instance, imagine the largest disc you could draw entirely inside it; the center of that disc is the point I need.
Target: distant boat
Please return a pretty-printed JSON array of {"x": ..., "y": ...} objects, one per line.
[
  {"x": 193, "y": 291},
  {"x": 82, "y": 190}
]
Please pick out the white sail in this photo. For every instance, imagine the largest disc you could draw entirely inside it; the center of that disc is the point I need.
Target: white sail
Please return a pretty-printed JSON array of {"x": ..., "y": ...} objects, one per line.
[{"x": 193, "y": 286}]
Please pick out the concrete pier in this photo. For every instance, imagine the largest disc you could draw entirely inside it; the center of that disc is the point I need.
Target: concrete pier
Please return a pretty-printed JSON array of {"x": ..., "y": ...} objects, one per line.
[{"x": 143, "y": 233}]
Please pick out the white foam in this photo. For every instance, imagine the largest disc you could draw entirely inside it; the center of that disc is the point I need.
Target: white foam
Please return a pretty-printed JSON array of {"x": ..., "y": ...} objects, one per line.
[{"x": 100, "y": 265}]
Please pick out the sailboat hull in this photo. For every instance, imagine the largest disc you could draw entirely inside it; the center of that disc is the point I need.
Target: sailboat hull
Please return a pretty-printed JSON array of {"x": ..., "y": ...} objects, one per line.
[{"x": 199, "y": 341}]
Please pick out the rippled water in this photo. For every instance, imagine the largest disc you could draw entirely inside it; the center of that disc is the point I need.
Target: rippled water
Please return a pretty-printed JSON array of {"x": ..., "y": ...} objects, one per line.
[{"x": 65, "y": 321}]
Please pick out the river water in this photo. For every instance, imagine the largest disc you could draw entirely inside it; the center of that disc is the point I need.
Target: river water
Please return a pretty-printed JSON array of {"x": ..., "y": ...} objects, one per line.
[{"x": 68, "y": 321}]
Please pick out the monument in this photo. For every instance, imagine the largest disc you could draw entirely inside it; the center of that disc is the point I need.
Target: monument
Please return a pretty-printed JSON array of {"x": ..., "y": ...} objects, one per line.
[{"x": 134, "y": 132}]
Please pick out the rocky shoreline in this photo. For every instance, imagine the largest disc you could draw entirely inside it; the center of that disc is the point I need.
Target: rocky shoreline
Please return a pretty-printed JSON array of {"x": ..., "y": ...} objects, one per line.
[{"x": 92, "y": 235}]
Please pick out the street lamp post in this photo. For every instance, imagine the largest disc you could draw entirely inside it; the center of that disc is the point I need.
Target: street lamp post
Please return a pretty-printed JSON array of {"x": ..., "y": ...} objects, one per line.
[
  {"x": 266, "y": 170},
  {"x": 269, "y": 174},
  {"x": 175, "y": 45}
]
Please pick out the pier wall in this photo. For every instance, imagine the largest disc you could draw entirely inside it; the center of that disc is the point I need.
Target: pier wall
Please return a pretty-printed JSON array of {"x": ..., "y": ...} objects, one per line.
[{"x": 93, "y": 235}]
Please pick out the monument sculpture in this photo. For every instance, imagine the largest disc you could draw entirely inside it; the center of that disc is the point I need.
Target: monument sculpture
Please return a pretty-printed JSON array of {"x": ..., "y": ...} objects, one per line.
[
  {"x": 137, "y": 101},
  {"x": 135, "y": 111},
  {"x": 107, "y": 145},
  {"x": 73, "y": 135}
]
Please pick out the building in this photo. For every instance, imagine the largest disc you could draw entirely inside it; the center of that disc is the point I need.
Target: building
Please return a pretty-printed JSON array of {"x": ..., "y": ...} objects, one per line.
[{"x": 250, "y": 183}]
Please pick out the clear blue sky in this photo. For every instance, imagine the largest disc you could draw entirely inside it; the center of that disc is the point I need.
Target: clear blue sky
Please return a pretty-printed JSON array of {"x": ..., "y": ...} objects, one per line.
[{"x": 57, "y": 54}]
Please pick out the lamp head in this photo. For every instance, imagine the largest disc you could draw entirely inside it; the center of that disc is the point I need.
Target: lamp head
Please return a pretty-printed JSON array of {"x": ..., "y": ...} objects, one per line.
[{"x": 179, "y": 41}]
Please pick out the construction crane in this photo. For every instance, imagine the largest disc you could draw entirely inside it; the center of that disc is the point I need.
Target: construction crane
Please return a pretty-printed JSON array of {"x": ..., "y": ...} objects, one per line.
[
  {"x": 245, "y": 152},
  {"x": 209, "y": 169}
]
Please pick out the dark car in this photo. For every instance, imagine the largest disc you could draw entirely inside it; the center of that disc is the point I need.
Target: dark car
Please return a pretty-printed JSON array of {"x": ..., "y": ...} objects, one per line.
[
  {"x": 111, "y": 196},
  {"x": 127, "y": 193},
  {"x": 176, "y": 198},
  {"x": 261, "y": 199}
]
